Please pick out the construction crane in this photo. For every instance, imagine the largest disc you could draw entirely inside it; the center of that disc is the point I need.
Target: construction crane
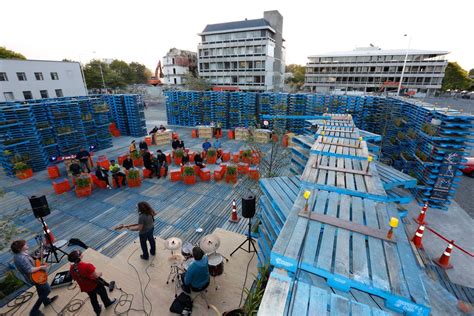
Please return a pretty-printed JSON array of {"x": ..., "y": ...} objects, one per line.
[{"x": 156, "y": 79}]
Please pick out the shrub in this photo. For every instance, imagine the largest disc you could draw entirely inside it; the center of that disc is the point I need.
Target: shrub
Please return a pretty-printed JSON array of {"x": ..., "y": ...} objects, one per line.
[
  {"x": 21, "y": 166},
  {"x": 429, "y": 129},
  {"x": 135, "y": 154},
  {"x": 179, "y": 153},
  {"x": 10, "y": 284},
  {"x": 133, "y": 174},
  {"x": 188, "y": 171},
  {"x": 211, "y": 152},
  {"x": 83, "y": 181},
  {"x": 247, "y": 153},
  {"x": 231, "y": 170}
]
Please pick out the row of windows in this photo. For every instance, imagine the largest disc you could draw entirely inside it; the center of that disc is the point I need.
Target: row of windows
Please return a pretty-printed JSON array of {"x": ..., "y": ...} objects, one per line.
[
  {"x": 230, "y": 51},
  {"x": 22, "y": 76},
  {"x": 373, "y": 80},
  {"x": 235, "y": 36},
  {"x": 384, "y": 58},
  {"x": 379, "y": 69},
  {"x": 258, "y": 80},
  {"x": 9, "y": 96},
  {"x": 234, "y": 65}
]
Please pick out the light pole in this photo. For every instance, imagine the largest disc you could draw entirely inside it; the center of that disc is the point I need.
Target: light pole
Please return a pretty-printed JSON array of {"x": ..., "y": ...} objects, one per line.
[
  {"x": 102, "y": 75},
  {"x": 404, "y": 65}
]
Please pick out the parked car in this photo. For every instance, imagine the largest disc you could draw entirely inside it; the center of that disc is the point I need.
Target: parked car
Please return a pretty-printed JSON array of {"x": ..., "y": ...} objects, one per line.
[{"x": 468, "y": 168}]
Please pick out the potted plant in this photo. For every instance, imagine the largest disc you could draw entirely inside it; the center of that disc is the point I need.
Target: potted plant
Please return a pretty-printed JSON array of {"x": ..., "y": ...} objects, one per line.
[
  {"x": 83, "y": 186},
  {"x": 211, "y": 155},
  {"x": 22, "y": 170},
  {"x": 189, "y": 176},
  {"x": 401, "y": 136},
  {"x": 178, "y": 156},
  {"x": 429, "y": 129},
  {"x": 137, "y": 158},
  {"x": 246, "y": 156},
  {"x": 421, "y": 155},
  {"x": 133, "y": 178},
  {"x": 411, "y": 133},
  {"x": 231, "y": 174}
]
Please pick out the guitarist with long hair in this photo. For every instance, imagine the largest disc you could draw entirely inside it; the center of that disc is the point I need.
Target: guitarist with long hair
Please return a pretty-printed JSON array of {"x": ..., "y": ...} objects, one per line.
[{"x": 25, "y": 264}]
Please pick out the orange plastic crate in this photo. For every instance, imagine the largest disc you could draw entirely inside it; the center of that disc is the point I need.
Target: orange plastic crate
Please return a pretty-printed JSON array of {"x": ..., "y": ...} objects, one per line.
[
  {"x": 175, "y": 175},
  {"x": 243, "y": 168},
  {"x": 61, "y": 185},
  {"x": 236, "y": 157},
  {"x": 254, "y": 174},
  {"x": 205, "y": 174}
]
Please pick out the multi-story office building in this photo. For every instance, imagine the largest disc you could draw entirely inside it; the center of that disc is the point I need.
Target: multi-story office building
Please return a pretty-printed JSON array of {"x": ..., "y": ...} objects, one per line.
[
  {"x": 371, "y": 69},
  {"x": 176, "y": 64},
  {"x": 246, "y": 55},
  {"x": 39, "y": 79}
]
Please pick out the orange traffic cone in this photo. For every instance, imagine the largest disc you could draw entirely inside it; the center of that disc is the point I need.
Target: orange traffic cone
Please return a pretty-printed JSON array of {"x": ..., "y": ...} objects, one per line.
[
  {"x": 418, "y": 236},
  {"x": 421, "y": 218},
  {"x": 234, "y": 217},
  {"x": 47, "y": 232},
  {"x": 443, "y": 261}
]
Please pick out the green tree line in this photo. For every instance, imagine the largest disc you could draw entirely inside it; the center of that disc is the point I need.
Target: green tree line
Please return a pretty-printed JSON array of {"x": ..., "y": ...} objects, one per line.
[{"x": 117, "y": 74}]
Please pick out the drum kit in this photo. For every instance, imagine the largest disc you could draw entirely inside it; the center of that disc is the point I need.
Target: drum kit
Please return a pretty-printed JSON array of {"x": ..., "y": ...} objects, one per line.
[{"x": 180, "y": 262}]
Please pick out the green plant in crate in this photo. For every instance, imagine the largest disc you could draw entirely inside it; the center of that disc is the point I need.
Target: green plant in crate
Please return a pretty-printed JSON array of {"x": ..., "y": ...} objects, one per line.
[
  {"x": 411, "y": 133},
  {"x": 20, "y": 167},
  {"x": 20, "y": 158},
  {"x": 429, "y": 129},
  {"x": 7, "y": 152},
  {"x": 398, "y": 122},
  {"x": 212, "y": 152},
  {"x": 255, "y": 294},
  {"x": 83, "y": 181},
  {"x": 133, "y": 174},
  {"x": 247, "y": 153},
  {"x": 401, "y": 136},
  {"x": 135, "y": 154},
  {"x": 179, "y": 153},
  {"x": 188, "y": 171},
  {"x": 231, "y": 170},
  {"x": 421, "y": 155},
  {"x": 10, "y": 284}
]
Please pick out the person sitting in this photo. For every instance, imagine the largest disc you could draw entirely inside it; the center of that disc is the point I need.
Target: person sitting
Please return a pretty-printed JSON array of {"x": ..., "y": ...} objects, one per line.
[
  {"x": 180, "y": 144},
  {"x": 75, "y": 168},
  {"x": 116, "y": 173},
  {"x": 185, "y": 158},
  {"x": 217, "y": 144},
  {"x": 161, "y": 162},
  {"x": 132, "y": 148},
  {"x": 102, "y": 174},
  {"x": 175, "y": 144},
  {"x": 206, "y": 145},
  {"x": 87, "y": 277},
  {"x": 197, "y": 277},
  {"x": 83, "y": 155},
  {"x": 162, "y": 128},
  {"x": 150, "y": 165},
  {"x": 153, "y": 131},
  {"x": 143, "y": 145},
  {"x": 127, "y": 163},
  {"x": 198, "y": 161}
]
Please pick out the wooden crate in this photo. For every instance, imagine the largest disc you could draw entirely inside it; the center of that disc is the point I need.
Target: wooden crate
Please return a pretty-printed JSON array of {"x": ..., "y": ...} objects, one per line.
[
  {"x": 204, "y": 131},
  {"x": 262, "y": 136},
  {"x": 241, "y": 133},
  {"x": 163, "y": 138}
]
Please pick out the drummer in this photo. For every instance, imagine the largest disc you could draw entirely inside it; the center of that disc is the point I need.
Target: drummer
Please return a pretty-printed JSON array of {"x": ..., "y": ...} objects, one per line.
[{"x": 197, "y": 276}]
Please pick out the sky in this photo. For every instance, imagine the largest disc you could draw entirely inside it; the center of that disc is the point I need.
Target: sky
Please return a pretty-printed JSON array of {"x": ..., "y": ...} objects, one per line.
[{"x": 144, "y": 31}]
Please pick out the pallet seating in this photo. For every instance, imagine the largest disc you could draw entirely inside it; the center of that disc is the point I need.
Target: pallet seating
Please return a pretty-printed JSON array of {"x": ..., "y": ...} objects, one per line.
[
  {"x": 254, "y": 174},
  {"x": 243, "y": 168},
  {"x": 61, "y": 185},
  {"x": 175, "y": 175},
  {"x": 147, "y": 173},
  {"x": 219, "y": 173},
  {"x": 235, "y": 157},
  {"x": 98, "y": 183},
  {"x": 205, "y": 174},
  {"x": 103, "y": 162},
  {"x": 225, "y": 155},
  {"x": 53, "y": 172}
]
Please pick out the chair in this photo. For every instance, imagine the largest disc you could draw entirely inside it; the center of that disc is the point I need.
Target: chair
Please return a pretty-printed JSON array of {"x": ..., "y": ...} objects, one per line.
[{"x": 200, "y": 293}]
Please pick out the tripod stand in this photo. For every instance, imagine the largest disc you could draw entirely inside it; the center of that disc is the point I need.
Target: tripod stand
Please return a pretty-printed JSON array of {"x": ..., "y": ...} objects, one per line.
[
  {"x": 250, "y": 241},
  {"x": 52, "y": 248}
]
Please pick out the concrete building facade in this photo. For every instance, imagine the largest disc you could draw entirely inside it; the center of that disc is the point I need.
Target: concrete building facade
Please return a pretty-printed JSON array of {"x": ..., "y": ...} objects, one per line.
[
  {"x": 176, "y": 64},
  {"x": 246, "y": 55},
  {"x": 371, "y": 69},
  {"x": 39, "y": 79}
]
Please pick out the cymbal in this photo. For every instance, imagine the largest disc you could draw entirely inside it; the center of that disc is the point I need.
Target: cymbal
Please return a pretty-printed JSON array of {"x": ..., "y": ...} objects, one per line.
[
  {"x": 173, "y": 243},
  {"x": 176, "y": 259},
  {"x": 210, "y": 243}
]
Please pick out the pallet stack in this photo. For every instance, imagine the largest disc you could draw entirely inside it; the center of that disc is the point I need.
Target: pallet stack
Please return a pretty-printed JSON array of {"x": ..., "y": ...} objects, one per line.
[
  {"x": 296, "y": 106},
  {"x": 195, "y": 114},
  {"x": 220, "y": 108},
  {"x": 88, "y": 122},
  {"x": 101, "y": 115},
  {"x": 206, "y": 108},
  {"x": 235, "y": 109},
  {"x": 44, "y": 128},
  {"x": 248, "y": 109},
  {"x": 136, "y": 114},
  {"x": 172, "y": 107}
]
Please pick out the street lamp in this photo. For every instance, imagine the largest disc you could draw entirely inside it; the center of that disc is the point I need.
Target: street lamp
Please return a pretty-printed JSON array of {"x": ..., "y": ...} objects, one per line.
[
  {"x": 102, "y": 75},
  {"x": 404, "y": 65}
]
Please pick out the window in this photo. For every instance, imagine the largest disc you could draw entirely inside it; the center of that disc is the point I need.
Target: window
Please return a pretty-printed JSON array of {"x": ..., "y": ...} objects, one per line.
[
  {"x": 44, "y": 94},
  {"x": 39, "y": 75},
  {"x": 3, "y": 76},
  {"x": 8, "y": 96},
  {"x": 174, "y": 71},
  {"x": 54, "y": 76},
  {"x": 27, "y": 95},
  {"x": 59, "y": 93},
  {"x": 21, "y": 76}
]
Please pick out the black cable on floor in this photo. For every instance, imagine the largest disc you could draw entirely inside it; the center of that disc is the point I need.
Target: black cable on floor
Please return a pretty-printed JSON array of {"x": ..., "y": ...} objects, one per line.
[{"x": 245, "y": 280}]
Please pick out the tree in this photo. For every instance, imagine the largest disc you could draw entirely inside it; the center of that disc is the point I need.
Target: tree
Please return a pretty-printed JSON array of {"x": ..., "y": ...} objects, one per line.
[
  {"x": 116, "y": 75},
  {"x": 297, "y": 80},
  {"x": 9, "y": 54},
  {"x": 196, "y": 83},
  {"x": 471, "y": 73},
  {"x": 140, "y": 73},
  {"x": 455, "y": 78}
]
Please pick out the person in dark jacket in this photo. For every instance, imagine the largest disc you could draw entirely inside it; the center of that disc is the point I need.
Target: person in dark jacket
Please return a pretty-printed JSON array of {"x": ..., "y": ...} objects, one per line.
[
  {"x": 162, "y": 128},
  {"x": 143, "y": 145},
  {"x": 198, "y": 161},
  {"x": 150, "y": 165},
  {"x": 103, "y": 175},
  {"x": 75, "y": 168},
  {"x": 83, "y": 155},
  {"x": 185, "y": 158},
  {"x": 181, "y": 144},
  {"x": 153, "y": 131},
  {"x": 161, "y": 162},
  {"x": 127, "y": 163},
  {"x": 175, "y": 144}
]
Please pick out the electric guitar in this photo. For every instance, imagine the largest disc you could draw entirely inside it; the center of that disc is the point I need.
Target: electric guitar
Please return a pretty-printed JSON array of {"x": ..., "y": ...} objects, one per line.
[{"x": 39, "y": 277}]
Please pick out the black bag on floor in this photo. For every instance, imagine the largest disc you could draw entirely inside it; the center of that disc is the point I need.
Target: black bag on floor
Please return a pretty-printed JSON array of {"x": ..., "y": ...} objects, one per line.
[{"x": 182, "y": 305}]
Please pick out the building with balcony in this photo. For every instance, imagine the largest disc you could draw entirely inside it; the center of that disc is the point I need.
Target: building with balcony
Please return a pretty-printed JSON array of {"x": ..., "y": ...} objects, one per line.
[
  {"x": 22, "y": 80},
  {"x": 176, "y": 64},
  {"x": 371, "y": 69},
  {"x": 245, "y": 55}
]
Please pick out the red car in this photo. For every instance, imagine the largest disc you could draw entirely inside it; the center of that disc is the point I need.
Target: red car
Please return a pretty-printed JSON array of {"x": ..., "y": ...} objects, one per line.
[{"x": 468, "y": 168}]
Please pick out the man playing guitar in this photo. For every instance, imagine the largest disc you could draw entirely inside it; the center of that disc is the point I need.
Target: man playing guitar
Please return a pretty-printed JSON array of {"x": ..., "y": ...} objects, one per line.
[{"x": 26, "y": 266}]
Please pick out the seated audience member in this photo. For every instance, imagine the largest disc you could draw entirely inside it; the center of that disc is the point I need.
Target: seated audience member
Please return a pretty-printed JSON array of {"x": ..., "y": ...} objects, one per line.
[
  {"x": 103, "y": 175},
  {"x": 161, "y": 162},
  {"x": 87, "y": 277},
  {"x": 217, "y": 144},
  {"x": 116, "y": 173},
  {"x": 198, "y": 161},
  {"x": 185, "y": 158},
  {"x": 75, "y": 168},
  {"x": 181, "y": 144},
  {"x": 127, "y": 163},
  {"x": 132, "y": 148},
  {"x": 206, "y": 145},
  {"x": 197, "y": 276},
  {"x": 83, "y": 155},
  {"x": 154, "y": 130},
  {"x": 143, "y": 145},
  {"x": 175, "y": 144},
  {"x": 149, "y": 164},
  {"x": 162, "y": 128}
]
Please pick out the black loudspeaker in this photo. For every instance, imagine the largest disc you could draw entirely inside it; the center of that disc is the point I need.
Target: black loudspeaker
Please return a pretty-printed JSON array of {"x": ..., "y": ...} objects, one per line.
[
  {"x": 40, "y": 207},
  {"x": 248, "y": 206}
]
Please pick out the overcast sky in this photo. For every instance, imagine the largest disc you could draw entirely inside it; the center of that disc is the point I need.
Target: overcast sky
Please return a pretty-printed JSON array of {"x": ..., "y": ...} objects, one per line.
[{"x": 144, "y": 31}]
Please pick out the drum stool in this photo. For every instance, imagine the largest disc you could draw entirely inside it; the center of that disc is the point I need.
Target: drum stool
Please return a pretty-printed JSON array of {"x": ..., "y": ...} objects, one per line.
[{"x": 201, "y": 293}]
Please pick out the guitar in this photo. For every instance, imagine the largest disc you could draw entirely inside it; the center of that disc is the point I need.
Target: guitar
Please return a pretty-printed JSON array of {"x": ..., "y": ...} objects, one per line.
[
  {"x": 39, "y": 277},
  {"x": 122, "y": 226}
]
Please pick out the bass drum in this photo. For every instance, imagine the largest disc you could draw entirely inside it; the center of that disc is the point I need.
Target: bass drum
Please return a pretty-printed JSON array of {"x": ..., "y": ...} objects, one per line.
[{"x": 215, "y": 264}]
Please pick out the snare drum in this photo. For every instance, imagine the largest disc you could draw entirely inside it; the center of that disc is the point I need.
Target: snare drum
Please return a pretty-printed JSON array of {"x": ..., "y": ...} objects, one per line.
[
  {"x": 187, "y": 250},
  {"x": 215, "y": 264},
  {"x": 187, "y": 263}
]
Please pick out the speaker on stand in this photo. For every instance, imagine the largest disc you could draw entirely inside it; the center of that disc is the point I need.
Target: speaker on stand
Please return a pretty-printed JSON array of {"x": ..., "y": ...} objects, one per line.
[{"x": 248, "y": 211}]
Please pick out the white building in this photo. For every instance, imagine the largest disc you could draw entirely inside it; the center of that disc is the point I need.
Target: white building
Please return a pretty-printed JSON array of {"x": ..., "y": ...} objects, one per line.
[
  {"x": 176, "y": 64},
  {"x": 371, "y": 69},
  {"x": 38, "y": 79},
  {"x": 246, "y": 55}
]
